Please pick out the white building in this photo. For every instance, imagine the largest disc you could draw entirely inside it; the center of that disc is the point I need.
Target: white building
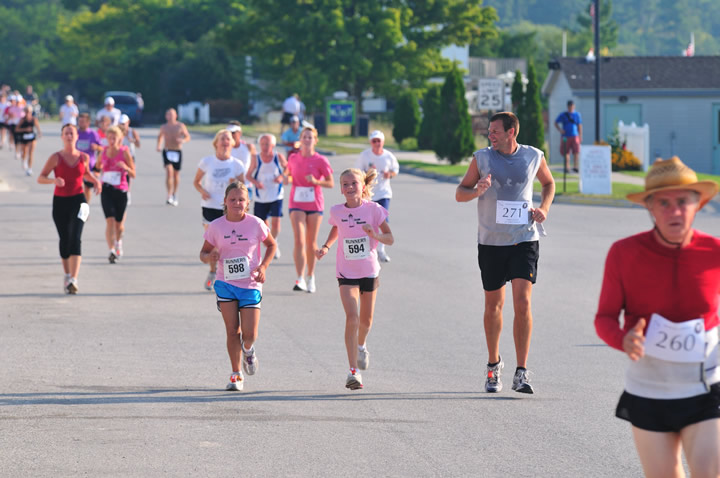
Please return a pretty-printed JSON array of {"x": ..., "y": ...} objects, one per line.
[{"x": 678, "y": 97}]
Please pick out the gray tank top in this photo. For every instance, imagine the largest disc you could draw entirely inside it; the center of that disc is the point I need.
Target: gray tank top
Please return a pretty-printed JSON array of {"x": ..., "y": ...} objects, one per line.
[{"x": 512, "y": 180}]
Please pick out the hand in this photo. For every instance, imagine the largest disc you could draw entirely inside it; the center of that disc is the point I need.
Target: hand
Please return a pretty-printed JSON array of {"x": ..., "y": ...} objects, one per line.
[
  {"x": 388, "y": 174},
  {"x": 279, "y": 179},
  {"x": 158, "y": 149},
  {"x": 205, "y": 195},
  {"x": 320, "y": 253},
  {"x": 484, "y": 184},
  {"x": 311, "y": 179},
  {"x": 369, "y": 230},
  {"x": 258, "y": 185},
  {"x": 538, "y": 215},
  {"x": 213, "y": 256},
  {"x": 59, "y": 182},
  {"x": 98, "y": 188},
  {"x": 259, "y": 274},
  {"x": 296, "y": 145},
  {"x": 123, "y": 165},
  {"x": 634, "y": 341}
]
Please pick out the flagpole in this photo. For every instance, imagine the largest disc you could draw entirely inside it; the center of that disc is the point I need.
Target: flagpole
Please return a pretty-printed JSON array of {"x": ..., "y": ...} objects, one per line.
[{"x": 596, "y": 27}]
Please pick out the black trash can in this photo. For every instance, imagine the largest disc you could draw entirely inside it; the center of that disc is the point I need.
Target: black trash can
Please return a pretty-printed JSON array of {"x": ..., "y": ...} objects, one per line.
[
  {"x": 364, "y": 126},
  {"x": 319, "y": 122}
]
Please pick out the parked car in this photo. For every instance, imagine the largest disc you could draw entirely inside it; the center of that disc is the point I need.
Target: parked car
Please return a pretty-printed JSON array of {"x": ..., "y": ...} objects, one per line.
[{"x": 127, "y": 102}]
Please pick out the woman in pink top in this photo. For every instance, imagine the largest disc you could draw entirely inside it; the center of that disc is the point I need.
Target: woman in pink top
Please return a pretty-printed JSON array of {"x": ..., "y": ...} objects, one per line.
[
  {"x": 310, "y": 172},
  {"x": 233, "y": 242},
  {"x": 116, "y": 164},
  {"x": 358, "y": 225}
]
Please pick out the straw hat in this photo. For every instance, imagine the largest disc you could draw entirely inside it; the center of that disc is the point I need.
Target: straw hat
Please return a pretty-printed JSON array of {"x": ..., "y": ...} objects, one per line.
[{"x": 668, "y": 174}]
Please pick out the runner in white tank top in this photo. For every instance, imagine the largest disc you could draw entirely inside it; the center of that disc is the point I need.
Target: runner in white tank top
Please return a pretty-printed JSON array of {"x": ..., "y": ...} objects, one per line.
[{"x": 267, "y": 176}]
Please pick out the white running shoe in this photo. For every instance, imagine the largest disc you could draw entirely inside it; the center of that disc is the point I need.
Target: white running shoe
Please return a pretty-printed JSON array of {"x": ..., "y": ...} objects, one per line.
[
  {"x": 175, "y": 201},
  {"x": 112, "y": 257},
  {"x": 354, "y": 381},
  {"x": 277, "y": 253},
  {"x": 210, "y": 281},
  {"x": 521, "y": 381},
  {"x": 311, "y": 284},
  {"x": 363, "y": 359},
  {"x": 383, "y": 257},
  {"x": 300, "y": 285},
  {"x": 169, "y": 201},
  {"x": 66, "y": 281},
  {"x": 28, "y": 172},
  {"x": 492, "y": 380},
  {"x": 250, "y": 362},
  {"x": 236, "y": 382},
  {"x": 119, "y": 248},
  {"x": 72, "y": 287}
]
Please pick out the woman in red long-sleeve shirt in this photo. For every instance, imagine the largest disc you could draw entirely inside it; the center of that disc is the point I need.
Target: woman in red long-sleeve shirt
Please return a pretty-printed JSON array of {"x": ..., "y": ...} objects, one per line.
[{"x": 667, "y": 284}]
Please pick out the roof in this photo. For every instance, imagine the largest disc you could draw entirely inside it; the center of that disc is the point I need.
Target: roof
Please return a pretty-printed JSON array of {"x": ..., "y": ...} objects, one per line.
[{"x": 638, "y": 72}]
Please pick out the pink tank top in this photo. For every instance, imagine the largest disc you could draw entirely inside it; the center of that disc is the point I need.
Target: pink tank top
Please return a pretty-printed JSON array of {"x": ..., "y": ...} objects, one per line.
[{"x": 112, "y": 174}]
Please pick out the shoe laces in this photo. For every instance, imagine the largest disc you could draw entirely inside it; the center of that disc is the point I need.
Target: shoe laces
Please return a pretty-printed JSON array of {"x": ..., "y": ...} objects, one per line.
[
  {"x": 493, "y": 375},
  {"x": 522, "y": 376}
]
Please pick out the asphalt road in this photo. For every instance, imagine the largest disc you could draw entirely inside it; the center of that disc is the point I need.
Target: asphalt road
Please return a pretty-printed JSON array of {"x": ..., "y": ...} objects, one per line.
[{"x": 127, "y": 378}]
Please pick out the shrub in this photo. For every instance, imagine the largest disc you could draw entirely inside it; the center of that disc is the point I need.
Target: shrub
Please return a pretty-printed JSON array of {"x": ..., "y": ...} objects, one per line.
[
  {"x": 625, "y": 160},
  {"x": 454, "y": 140},
  {"x": 406, "y": 120},
  {"x": 409, "y": 144},
  {"x": 431, "y": 117}
]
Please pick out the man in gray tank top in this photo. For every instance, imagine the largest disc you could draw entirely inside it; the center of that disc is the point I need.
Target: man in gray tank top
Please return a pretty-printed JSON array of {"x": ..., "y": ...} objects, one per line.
[{"x": 501, "y": 179}]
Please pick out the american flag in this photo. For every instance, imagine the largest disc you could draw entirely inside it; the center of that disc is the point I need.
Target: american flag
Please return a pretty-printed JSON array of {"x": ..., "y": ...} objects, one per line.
[{"x": 690, "y": 50}]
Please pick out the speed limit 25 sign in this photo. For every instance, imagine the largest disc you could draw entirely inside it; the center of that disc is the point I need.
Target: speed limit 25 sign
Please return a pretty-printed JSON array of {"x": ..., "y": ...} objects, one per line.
[{"x": 490, "y": 94}]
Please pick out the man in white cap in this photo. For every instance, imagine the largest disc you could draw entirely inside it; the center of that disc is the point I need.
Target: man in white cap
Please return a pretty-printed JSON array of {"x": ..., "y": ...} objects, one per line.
[
  {"x": 242, "y": 150},
  {"x": 110, "y": 111},
  {"x": 291, "y": 137},
  {"x": 386, "y": 164},
  {"x": 69, "y": 111}
]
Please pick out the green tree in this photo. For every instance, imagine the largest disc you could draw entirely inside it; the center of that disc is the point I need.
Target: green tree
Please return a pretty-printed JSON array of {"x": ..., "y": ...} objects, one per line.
[
  {"x": 150, "y": 46},
  {"x": 430, "y": 117},
  {"x": 349, "y": 45},
  {"x": 29, "y": 39},
  {"x": 406, "y": 119},
  {"x": 517, "y": 93},
  {"x": 608, "y": 27},
  {"x": 532, "y": 121},
  {"x": 455, "y": 141}
]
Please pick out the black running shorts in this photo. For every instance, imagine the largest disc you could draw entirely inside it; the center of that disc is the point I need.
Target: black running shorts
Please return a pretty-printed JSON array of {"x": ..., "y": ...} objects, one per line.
[{"x": 499, "y": 264}]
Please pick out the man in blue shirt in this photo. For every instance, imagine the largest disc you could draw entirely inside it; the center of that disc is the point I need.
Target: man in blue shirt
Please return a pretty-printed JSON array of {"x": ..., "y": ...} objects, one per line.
[{"x": 569, "y": 123}]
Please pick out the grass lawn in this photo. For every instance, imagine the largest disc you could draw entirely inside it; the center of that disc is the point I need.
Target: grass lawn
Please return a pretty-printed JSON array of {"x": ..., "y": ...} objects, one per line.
[
  {"x": 339, "y": 143},
  {"x": 619, "y": 190}
]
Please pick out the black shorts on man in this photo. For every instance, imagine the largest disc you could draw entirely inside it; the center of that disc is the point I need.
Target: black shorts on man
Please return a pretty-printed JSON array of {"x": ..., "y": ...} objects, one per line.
[
  {"x": 174, "y": 158},
  {"x": 499, "y": 264}
]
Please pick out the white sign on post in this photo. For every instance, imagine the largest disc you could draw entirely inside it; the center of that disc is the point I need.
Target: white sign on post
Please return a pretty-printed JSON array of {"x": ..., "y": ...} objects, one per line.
[
  {"x": 595, "y": 170},
  {"x": 490, "y": 94}
]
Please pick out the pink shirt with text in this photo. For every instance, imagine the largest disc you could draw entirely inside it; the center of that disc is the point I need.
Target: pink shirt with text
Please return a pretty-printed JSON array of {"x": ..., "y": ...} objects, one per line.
[
  {"x": 356, "y": 255},
  {"x": 300, "y": 166},
  {"x": 237, "y": 240}
]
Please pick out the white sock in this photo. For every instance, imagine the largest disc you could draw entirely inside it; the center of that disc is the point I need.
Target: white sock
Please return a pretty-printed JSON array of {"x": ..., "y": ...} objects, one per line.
[
  {"x": 248, "y": 352},
  {"x": 362, "y": 348}
]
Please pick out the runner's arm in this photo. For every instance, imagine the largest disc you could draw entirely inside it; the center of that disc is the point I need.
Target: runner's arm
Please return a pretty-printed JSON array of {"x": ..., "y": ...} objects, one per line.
[
  {"x": 469, "y": 188},
  {"x": 197, "y": 182},
  {"x": 209, "y": 253},
  {"x": 44, "y": 178},
  {"x": 547, "y": 194},
  {"x": 325, "y": 248},
  {"x": 271, "y": 247},
  {"x": 160, "y": 138},
  {"x": 129, "y": 163}
]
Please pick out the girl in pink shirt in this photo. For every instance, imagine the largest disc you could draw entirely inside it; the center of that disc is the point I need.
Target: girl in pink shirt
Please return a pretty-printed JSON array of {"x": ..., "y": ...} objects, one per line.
[
  {"x": 233, "y": 241},
  {"x": 358, "y": 225},
  {"x": 310, "y": 173}
]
